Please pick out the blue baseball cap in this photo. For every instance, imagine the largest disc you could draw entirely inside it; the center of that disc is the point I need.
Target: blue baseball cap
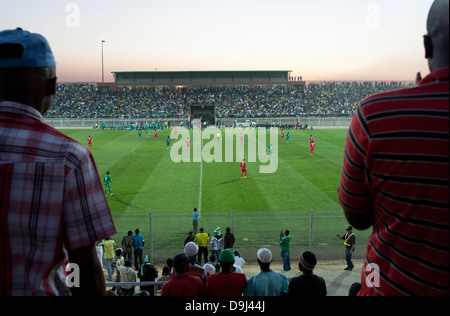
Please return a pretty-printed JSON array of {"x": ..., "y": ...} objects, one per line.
[{"x": 22, "y": 49}]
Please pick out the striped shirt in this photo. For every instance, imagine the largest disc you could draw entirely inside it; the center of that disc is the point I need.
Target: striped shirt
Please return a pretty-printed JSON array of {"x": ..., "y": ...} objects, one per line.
[
  {"x": 396, "y": 167},
  {"x": 51, "y": 200}
]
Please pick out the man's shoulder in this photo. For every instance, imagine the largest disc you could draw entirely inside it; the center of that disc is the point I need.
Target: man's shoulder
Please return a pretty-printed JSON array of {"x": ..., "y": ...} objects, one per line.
[
  {"x": 191, "y": 278},
  {"x": 51, "y": 140},
  {"x": 418, "y": 91},
  {"x": 269, "y": 274}
]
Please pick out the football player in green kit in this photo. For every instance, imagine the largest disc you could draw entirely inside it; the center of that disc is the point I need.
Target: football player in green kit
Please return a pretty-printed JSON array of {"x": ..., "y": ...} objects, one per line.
[{"x": 107, "y": 180}]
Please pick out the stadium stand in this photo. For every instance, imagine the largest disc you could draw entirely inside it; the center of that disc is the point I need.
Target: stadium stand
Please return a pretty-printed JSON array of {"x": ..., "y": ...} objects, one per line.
[{"x": 322, "y": 99}]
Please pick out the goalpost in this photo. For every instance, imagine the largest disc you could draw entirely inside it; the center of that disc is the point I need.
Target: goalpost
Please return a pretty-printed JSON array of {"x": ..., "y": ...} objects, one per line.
[{"x": 197, "y": 123}]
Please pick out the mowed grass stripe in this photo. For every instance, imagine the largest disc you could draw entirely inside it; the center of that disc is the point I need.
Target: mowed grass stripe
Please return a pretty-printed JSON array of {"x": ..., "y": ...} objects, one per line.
[
  {"x": 158, "y": 185},
  {"x": 223, "y": 188}
]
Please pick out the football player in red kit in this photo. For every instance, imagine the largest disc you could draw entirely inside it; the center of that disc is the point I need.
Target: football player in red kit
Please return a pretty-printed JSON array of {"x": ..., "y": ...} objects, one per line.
[
  {"x": 313, "y": 145},
  {"x": 243, "y": 169}
]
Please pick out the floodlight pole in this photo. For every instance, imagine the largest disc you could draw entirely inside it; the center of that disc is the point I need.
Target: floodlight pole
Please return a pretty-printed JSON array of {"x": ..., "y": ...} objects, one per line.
[{"x": 103, "y": 73}]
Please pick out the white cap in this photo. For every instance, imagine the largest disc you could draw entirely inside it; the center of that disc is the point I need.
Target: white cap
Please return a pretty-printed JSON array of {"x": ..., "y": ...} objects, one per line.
[
  {"x": 191, "y": 249},
  {"x": 209, "y": 268},
  {"x": 264, "y": 255}
]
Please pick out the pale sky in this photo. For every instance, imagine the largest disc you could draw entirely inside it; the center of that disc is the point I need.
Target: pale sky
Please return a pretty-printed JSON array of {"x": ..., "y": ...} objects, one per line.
[{"x": 316, "y": 39}]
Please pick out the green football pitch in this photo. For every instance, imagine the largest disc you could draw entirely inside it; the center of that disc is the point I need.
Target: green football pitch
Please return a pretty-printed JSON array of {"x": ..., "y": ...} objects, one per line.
[{"x": 157, "y": 195}]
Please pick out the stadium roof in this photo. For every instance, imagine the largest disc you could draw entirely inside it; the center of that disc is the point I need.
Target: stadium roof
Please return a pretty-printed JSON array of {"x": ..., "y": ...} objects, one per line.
[
  {"x": 200, "y": 71},
  {"x": 202, "y": 78}
]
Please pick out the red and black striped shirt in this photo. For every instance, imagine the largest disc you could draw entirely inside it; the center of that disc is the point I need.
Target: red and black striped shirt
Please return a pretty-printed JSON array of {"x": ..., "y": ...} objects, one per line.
[{"x": 396, "y": 167}]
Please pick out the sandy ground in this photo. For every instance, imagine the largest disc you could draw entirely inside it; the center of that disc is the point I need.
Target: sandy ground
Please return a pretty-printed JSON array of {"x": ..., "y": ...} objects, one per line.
[{"x": 337, "y": 279}]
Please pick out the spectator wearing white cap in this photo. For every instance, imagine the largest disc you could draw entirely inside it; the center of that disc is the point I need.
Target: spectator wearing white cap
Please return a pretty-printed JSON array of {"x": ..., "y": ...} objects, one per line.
[
  {"x": 267, "y": 282},
  {"x": 190, "y": 250}
]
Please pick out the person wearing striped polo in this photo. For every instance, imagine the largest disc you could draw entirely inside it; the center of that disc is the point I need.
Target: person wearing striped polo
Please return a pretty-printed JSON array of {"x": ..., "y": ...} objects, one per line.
[{"x": 395, "y": 177}]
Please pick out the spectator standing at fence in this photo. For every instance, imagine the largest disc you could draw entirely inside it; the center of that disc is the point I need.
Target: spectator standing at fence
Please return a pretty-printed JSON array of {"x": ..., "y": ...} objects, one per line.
[
  {"x": 216, "y": 243},
  {"x": 182, "y": 283},
  {"x": 109, "y": 253},
  {"x": 57, "y": 221},
  {"x": 229, "y": 239},
  {"x": 285, "y": 240},
  {"x": 227, "y": 282},
  {"x": 202, "y": 240},
  {"x": 138, "y": 245},
  {"x": 195, "y": 216},
  {"x": 127, "y": 245},
  {"x": 189, "y": 238},
  {"x": 267, "y": 282},
  {"x": 395, "y": 177},
  {"x": 307, "y": 284}
]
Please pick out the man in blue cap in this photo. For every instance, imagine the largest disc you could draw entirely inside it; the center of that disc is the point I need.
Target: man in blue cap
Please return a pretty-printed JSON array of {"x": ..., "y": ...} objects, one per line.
[{"x": 52, "y": 205}]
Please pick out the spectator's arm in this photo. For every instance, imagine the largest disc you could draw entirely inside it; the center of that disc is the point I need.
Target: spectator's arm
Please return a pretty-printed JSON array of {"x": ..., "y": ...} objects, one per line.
[
  {"x": 92, "y": 281},
  {"x": 354, "y": 191}
]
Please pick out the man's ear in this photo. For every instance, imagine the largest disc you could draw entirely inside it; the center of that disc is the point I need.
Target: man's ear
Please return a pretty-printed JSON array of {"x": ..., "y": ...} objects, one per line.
[
  {"x": 51, "y": 86},
  {"x": 428, "y": 46}
]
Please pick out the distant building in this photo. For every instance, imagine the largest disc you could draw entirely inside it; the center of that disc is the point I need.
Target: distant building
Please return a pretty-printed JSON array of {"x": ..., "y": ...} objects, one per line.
[{"x": 197, "y": 79}]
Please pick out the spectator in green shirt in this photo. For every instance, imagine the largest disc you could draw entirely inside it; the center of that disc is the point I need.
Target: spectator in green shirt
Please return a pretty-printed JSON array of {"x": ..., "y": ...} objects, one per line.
[{"x": 285, "y": 239}]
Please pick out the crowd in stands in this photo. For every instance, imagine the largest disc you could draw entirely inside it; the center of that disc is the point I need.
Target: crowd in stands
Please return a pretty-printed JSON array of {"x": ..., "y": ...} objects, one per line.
[
  {"x": 85, "y": 100},
  {"x": 221, "y": 275}
]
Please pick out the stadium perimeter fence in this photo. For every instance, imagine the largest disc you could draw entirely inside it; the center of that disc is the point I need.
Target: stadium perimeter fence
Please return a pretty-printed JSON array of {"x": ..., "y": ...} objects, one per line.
[
  {"x": 315, "y": 122},
  {"x": 311, "y": 230}
]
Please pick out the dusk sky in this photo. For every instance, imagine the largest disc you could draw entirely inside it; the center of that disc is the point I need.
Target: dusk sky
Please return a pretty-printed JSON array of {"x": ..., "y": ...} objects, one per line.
[{"x": 318, "y": 40}]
